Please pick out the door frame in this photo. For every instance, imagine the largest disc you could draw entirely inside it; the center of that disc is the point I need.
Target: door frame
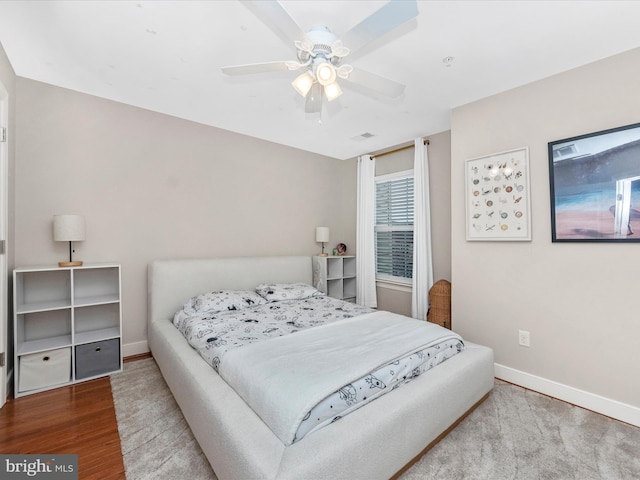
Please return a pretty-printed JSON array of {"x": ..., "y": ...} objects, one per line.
[{"x": 4, "y": 213}]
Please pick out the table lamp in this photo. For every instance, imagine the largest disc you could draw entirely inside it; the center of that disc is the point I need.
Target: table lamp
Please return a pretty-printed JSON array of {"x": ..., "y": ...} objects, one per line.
[
  {"x": 68, "y": 228},
  {"x": 322, "y": 236}
]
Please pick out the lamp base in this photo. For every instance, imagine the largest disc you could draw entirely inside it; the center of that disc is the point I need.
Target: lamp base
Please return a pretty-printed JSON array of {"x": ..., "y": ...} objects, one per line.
[
  {"x": 323, "y": 254},
  {"x": 75, "y": 263}
]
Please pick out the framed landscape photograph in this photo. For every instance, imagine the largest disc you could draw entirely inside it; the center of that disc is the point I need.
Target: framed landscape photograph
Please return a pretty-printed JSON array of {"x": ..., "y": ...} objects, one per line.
[
  {"x": 497, "y": 197},
  {"x": 595, "y": 186}
]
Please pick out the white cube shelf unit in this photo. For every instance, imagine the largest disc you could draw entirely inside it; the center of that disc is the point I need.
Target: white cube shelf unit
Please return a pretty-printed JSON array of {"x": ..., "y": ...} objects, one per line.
[
  {"x": 336, "y": 276},
  {"x": 67, "y": 325}
]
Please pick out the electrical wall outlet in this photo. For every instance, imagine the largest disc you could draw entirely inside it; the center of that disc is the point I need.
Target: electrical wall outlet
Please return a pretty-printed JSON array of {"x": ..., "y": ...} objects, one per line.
[{"x": 523, "y": 338}]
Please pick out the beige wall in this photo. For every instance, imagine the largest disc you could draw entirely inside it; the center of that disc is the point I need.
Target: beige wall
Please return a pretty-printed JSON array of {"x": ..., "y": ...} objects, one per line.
[
  {"x": 153, "y": 186},
  {"x": 440, "y": 191},
  {"x": 578, "y": 301},
  {"x": 439, "y": 151}
]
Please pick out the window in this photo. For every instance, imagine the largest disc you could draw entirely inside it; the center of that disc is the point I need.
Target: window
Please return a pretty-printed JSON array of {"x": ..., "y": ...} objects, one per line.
[{"x": 394, "y": 227}]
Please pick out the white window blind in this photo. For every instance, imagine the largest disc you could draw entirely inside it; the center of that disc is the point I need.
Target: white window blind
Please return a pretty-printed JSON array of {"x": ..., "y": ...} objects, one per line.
[{"x": 394, "y": 227}]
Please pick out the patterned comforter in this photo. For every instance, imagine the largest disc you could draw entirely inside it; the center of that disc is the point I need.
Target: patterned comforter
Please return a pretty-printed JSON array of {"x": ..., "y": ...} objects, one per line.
[{"x": 215, "y": 333}]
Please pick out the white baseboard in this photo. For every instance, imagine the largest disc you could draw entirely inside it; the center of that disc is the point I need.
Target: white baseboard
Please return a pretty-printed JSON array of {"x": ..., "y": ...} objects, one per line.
[
  {"x": 130, "y": 349},
  {"x": 605, "y": 406}
]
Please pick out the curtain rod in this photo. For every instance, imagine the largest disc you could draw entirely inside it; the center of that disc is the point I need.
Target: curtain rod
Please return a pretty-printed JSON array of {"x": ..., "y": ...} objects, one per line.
[{"x": 426, "y": 142}]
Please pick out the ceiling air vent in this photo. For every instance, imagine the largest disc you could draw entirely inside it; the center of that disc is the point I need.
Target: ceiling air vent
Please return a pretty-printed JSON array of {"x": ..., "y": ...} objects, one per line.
[{"x": 362, "y": 136}]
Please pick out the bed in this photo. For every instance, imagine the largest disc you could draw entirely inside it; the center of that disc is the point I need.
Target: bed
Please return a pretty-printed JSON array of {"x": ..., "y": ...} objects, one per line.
[{"x": 379, "y": 440}]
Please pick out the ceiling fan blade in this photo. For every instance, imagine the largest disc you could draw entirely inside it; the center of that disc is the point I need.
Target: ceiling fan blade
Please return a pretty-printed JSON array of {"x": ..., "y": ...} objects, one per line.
[
  {"x": 379, "y": 23},
  {"x": 274, "y": 16},
  {"x": 376, "y": 83},
  {"x": 256, "y": 68}
]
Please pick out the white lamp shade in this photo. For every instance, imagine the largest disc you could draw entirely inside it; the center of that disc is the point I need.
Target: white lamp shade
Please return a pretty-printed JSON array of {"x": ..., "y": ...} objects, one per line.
[
  {"x": 322, "y": 234},
  {"x": 303, "y": 83},
  {"x": 325, "y": 73},
  {"x": 68, "y": 228},
  {"x": 332, "y": 91}
]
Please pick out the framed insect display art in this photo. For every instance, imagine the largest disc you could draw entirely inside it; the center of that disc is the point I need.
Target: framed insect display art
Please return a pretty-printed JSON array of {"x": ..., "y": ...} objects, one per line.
[{"x": 498, "y": 197}]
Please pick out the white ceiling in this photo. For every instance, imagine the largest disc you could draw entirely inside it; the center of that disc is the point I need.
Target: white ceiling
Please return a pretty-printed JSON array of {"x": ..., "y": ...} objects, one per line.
[{"x": 166, "y": 56}]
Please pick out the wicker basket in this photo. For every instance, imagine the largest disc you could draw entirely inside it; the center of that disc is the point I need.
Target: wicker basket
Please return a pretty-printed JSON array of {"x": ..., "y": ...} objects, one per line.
[{"x": 440, "y": 304}]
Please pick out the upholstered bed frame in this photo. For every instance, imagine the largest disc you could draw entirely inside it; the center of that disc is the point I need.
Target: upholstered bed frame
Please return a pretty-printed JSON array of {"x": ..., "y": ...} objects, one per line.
[{"x": 374, "y": 442}]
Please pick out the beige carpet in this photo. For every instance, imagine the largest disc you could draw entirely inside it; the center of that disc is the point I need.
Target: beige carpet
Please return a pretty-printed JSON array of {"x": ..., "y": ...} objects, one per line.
[
  {"x": 155, "y": 438},
  {"x": 515, "y": 434}
]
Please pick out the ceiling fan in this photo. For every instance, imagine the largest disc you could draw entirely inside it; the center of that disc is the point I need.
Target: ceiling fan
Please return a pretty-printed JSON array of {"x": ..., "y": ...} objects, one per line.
[{"x": 320, "y": 54}]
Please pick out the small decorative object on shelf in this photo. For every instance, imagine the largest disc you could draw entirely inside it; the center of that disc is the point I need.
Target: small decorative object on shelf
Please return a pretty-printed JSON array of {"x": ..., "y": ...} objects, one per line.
[
  {"x": 341, "y": 248},
  {"x": 68, "y": 228}
]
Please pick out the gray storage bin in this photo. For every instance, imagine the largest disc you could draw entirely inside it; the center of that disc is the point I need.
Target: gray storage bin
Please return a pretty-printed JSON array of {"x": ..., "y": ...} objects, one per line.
[{"x": 97, "y": 358}]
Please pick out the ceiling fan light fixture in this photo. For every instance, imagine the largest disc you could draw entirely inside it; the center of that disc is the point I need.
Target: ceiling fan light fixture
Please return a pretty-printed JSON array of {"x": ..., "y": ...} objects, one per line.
[
  {"x": 343, "y": 71},
  {"x": 339, "y": 50},
  {"x": 304, "y": 45},
  {"x": 325, "y": 73},
  {"x": 332, "y": 91},
  {"x": 303, "y": 83}
]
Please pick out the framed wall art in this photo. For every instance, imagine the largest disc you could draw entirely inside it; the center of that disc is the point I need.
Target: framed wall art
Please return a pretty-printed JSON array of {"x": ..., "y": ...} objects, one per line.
[
  {"x": 595, "y": 186},
  {"x": 497, "y": 197}
]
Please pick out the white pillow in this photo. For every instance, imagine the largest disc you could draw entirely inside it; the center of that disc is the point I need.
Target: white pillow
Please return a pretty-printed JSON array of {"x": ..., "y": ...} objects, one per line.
[
  {"x": 276, "y": 292},
  {"x": 222, "y": 300}
]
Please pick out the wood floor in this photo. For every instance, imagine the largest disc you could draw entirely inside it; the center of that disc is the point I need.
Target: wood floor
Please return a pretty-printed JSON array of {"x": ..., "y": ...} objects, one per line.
[{"x": 78, "y": 419}]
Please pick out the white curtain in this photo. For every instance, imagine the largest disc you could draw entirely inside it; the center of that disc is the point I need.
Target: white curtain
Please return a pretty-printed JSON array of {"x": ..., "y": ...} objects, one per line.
[
  {"x": 422, "y": 257},
  {"x": 365, "y": 243}
]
